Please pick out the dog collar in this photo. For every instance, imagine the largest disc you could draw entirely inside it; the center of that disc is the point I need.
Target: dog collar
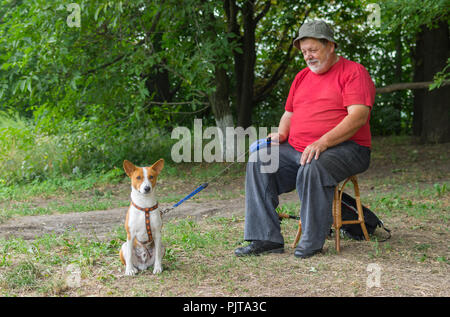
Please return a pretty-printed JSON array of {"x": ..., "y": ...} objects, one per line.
[
  {"x": 144, "y": 209},
  {"x": 147, "y": 218}
]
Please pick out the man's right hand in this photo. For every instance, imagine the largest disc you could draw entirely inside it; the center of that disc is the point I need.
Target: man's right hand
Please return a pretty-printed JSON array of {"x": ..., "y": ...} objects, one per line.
[{"x": 277, "y": 138}]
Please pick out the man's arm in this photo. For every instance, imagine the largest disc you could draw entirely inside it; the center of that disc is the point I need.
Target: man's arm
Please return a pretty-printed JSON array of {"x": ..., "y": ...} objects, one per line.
[
  {"x": 283, "y": 128},
  {"x": 356, "y": 118}
]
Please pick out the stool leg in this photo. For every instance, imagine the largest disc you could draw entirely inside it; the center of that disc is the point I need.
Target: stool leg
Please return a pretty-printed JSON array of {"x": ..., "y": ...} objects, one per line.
[
  {"x": 337, "y": 218},
  {"x": 361, "y": 217},
  {"x": 360, "y": 208},
  {"x": 299, "y": 233}
]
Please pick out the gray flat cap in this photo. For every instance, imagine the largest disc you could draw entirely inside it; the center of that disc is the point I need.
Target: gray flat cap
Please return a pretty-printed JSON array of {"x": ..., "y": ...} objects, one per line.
[{"x": 316, "y": 29}]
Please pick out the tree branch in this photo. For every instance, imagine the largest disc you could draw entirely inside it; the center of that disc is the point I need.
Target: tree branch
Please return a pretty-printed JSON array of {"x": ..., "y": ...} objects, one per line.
[
  {"x": 117, "y": 59},
  {"x": 279, "y": 72},
  {"x": 404, "y": 86},
  {"x": 155, "y": 22},
  {"x": 192, "y": 112},
  {"x": 174, "y": 103},
  {"x": 231, "y": 11},
  {"x": 263, "y": 12}
]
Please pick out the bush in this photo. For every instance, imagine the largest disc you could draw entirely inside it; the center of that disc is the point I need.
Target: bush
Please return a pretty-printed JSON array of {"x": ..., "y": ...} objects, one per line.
[{"x": 28, "y": 153}]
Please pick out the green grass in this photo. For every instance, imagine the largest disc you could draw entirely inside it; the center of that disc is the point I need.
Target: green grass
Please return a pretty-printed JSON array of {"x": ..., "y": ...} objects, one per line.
[
  {"x": 188, "y": 235},
  {"x": 199, "y": 258},
  {"x": 39, "y": 265},
  {"x": 421, "y": 203},
  {"x": 196, "y": 253},
  {"x": 24, "y": 275},
  {"x": 29, "y": 265},
  {"x": 58, "y": 184}
]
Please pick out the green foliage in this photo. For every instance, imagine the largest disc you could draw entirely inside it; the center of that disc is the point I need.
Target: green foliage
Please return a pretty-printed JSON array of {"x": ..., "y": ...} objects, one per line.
[
  {"x": 28, "y": 153},
  {"x": 58, "y": 72},
  {"x": 440, "y": 77},
  {"x": 411, "y": 15},
  {"x": 112, "y": 88}
]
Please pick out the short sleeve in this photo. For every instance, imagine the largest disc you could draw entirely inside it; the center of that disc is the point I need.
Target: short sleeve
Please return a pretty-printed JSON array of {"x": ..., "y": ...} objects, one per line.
[{"x": 359, "y": 89}]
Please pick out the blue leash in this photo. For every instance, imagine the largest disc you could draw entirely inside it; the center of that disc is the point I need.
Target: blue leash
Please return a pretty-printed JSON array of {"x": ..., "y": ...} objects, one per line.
[
  {"x": 255, "y": 146},
  {"x": 196, "y": 191}
]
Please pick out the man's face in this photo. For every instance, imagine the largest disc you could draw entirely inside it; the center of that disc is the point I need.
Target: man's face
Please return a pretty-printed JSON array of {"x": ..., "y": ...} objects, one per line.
[{"x": 318, "y": 57}]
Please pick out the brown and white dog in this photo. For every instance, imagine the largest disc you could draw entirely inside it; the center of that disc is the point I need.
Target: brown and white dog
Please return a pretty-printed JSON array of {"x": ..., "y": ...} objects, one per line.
[{"x": 143, "y": 221}]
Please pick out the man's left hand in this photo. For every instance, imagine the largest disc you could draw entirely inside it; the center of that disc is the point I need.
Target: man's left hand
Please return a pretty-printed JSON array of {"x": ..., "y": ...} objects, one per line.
[{"x": 313, "y": 151}]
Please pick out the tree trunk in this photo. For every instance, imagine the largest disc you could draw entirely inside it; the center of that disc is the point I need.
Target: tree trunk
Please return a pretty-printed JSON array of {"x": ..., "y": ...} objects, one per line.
[
  {"x": 231, "y": 11},
  {"x": 221, "y": 106},
  {"x": 398, "y": 96},
  {"x": 419, "y": 94},
  {"x": 220, "y": 99},
  {"x": 159, "y": 82},
  {"x": 433, "y": 108},
  {"x": 245, "y": 56},
  {"x": 245, "y": 100},
  {"x": 157, "y": 78}
]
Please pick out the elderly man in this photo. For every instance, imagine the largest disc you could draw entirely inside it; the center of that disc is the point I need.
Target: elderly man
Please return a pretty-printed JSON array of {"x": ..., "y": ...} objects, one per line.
[{"x": 324, "y": 137}]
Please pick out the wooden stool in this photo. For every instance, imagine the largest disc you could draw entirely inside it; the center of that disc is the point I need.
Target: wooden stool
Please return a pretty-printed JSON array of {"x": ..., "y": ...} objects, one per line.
[{"x": 337, "y": 216}]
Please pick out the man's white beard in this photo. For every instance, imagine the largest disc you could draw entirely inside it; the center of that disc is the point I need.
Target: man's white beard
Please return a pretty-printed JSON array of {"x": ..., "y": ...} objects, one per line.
[{"x": 317, "y": 66}]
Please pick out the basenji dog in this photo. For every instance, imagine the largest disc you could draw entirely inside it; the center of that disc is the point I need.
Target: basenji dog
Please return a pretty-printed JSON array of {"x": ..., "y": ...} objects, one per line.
[{"x": 143, "y": 221}]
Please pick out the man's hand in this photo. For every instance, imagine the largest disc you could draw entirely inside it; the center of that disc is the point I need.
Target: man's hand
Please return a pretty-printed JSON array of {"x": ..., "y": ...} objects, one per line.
[
  {"x": 276, "y": 138},
  {"x": 313, "y": 151},
  {"x": 356, "y": 118}
]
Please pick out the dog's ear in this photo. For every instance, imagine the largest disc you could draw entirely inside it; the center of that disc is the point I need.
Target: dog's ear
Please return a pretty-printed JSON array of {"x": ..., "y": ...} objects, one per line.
[
  {"x": 128, "y": 167},
  {"x": 158, "y": 166}
]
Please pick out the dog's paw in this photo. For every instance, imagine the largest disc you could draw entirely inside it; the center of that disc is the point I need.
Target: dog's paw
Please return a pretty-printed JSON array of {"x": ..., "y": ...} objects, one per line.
[
  {"x": 157, "y": 270},
  {"x": 131, "y": 271}
]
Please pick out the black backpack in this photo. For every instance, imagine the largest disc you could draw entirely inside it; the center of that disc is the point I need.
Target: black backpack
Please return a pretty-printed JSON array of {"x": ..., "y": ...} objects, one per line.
[{"x": 350, "y": 212}]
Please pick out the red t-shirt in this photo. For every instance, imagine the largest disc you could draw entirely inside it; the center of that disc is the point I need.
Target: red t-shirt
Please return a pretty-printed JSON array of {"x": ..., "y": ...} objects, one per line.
[{"x": 319, "y": 102}]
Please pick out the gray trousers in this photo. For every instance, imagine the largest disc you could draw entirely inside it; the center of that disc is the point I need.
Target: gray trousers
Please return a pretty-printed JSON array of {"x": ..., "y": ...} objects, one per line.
[{"x": 314, "y": 182}]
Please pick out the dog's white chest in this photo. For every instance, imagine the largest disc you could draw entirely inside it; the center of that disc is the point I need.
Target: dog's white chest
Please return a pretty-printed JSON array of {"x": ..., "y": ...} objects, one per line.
[{"x": 138, "y": 223}]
